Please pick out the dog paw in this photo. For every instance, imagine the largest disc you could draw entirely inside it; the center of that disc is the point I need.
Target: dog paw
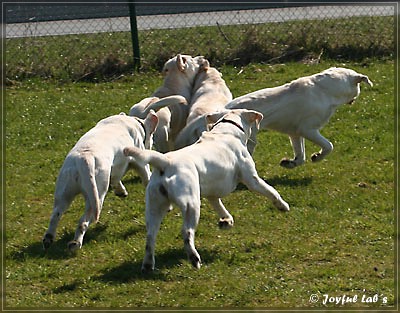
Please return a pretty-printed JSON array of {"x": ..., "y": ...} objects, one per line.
[
  {"x": 225, "y": 223},
  {"x": 147, "y": 268},
  {"x": 121, "y": 194},
  {"x": 74, "y": 245},
  {"x": 47, "y": 241},
  {"x": 316, "y": 157},
  {"x": 287, "y": 163},
  {"x": 282, "y": 205},
  {"x": 195, "y": 260}
]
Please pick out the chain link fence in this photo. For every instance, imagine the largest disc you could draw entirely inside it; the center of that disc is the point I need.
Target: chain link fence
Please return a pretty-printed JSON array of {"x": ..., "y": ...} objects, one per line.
[{"x": 67, "y": 45}]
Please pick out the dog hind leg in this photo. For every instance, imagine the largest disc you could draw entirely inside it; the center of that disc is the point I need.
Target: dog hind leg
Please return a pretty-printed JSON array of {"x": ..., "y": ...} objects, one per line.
[
  {"x": 102, "y": 183},
  {"x": 61, "y": 203},
  {"x": 156, "y": 208},
  {"x": 65, "y": 192},
  {"x": 326, "y": 146},
  {"x": 191, "y": 216},
  {"x": 299, "y": 153},
  {"x": 83, "y": 224}
]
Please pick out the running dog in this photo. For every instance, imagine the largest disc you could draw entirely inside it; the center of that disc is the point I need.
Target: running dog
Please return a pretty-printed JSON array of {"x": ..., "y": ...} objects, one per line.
[
  {"x": 94, "y": 163},
  {"x": 302, "y": 107},
  {"x": 211, "y": 168}
]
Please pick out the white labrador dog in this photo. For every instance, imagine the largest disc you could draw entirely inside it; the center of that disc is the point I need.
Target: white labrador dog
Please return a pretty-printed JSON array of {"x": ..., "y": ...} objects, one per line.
[
  {"x": 211, "y": 168},
  {"x": 96, "y": 162},
  {"x": 179, "y": 73},
  {"x": 210, "y": 94},
  {"x": 300, "y": 109}
]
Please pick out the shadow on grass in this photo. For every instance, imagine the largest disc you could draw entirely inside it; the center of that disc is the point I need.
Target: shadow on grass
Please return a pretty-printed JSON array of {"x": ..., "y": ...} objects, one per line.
[
  {"x": 172, "y": 258},
  {"x": 134, "y": 180},
  {"x": 282, "y": 181},
  {"x": 290, "y": 182},
  {"x": 58, "y": 249}
]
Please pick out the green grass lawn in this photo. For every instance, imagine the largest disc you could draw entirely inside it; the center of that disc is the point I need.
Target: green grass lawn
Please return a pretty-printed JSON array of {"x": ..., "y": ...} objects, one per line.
[{"x": 338, "y": 239}]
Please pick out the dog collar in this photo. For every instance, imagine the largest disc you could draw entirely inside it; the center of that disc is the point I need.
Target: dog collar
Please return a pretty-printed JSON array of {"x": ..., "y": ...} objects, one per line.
[
  {"x": 144, "y": 129},
  {"x": 230, "y": 122}
]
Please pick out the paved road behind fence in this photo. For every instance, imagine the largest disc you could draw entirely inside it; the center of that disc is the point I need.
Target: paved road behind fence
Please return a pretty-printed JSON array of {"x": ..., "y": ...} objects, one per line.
[{"x": 121, "y": 24}]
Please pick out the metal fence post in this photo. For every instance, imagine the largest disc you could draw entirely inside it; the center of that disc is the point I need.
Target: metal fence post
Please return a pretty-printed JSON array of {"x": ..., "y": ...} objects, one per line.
[{"x": 135, "y": 36}]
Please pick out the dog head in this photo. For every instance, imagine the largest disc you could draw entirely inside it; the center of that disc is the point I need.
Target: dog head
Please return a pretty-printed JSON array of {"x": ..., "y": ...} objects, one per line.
[
  {"x": 184, "y": 64},
  {"x": 206, "y": 75},
  {"x": 342, "y": 83},
  {"x": 242, "y": 119}
]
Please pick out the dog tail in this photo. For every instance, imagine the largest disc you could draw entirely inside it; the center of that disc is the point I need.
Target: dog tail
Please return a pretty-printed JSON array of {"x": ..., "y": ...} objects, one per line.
[
  {"x": 167, "y": 101},
  {"x": 364, "y": 78},
  {"x": 144, "y": 157},
  {"x": 86, "y": 168}
]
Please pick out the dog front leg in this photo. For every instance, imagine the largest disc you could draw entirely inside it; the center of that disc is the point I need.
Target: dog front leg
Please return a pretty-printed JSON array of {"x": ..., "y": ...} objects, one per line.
[
  {"x": 161, "y": 139},
  {"x": 117, "y": 172},
  {"x": 251, "y": 179},
  {"x": 314, "y": 136},
  {"x": 299, "y": 153},
  {"x": 144, "y": 172},
  {"x": 252, "y": 142},
  {"x": 270, "y": 192},
  {"x": 226, "y": 219}
]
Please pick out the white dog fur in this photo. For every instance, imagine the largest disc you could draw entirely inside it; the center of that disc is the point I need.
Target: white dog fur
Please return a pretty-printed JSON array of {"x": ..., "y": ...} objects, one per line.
[
  {"x": 301, "y": 108},
  {"x": 211, "y": 168},
  {"x": 96, "y": 162},
  {"x": 179, "y": 73},
  {"x": 210, "y": 94},
  {"x": 161, "y": 134}
]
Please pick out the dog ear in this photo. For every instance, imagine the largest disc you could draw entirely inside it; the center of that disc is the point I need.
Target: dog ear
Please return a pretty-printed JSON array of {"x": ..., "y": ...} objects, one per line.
[
  {"x": 151, "y": 121},
  {"x": 253, "y": 116},
  {"x": 365, "y": 79},
  {"x": 212, "y": 118},
  {"x": 181, "y": 62},
  {"x": 204, "y": 65}
]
